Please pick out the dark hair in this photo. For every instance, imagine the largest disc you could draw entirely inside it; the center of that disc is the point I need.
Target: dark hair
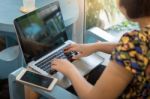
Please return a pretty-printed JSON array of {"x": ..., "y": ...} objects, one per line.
[{"x": 136, "y": 8}]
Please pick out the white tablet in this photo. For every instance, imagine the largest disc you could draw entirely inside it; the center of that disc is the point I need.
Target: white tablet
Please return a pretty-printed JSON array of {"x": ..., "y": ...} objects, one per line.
[{"x": 37, "y": 80}]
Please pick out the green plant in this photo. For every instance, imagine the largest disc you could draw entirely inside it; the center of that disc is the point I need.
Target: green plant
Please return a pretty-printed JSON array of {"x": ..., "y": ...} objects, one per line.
[
  {"x": 93, "y": 8},
  {"x": 92, "y": 13}
]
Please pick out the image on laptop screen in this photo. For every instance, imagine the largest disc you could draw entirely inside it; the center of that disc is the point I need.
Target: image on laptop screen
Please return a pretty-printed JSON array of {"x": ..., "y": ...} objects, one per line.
[{"x": 41, "y": 31}]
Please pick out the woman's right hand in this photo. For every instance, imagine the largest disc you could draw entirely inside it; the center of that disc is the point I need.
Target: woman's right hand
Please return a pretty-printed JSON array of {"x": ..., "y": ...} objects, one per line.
[{"x": 83, "y": 50}]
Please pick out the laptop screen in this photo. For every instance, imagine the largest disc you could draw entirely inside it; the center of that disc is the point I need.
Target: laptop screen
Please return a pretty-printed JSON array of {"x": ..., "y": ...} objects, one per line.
[{"x": 40, "y": 31}]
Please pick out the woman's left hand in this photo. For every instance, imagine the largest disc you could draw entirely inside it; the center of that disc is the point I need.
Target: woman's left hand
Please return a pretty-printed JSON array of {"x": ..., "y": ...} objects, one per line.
[{"x": 63, "y": 66}]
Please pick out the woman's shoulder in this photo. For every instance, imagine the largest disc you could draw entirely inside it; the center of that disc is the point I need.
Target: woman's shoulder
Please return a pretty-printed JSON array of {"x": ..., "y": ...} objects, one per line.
[
  {"x": 142, "y": 35},
  {"x": 133, "y": 53},
  {"x": 133, "y": 50}
]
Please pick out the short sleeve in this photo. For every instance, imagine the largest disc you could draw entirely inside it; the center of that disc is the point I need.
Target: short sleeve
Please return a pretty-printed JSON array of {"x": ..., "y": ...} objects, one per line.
[{"x": 132, "y": 52}]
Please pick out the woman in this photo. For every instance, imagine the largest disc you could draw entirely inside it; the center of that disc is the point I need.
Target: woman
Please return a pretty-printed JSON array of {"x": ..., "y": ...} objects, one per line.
[{"x": 128, "y": 72}]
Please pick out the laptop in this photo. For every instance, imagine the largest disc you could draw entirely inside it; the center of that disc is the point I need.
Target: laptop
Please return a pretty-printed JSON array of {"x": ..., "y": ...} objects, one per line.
[{"x": 42, "y": 37}]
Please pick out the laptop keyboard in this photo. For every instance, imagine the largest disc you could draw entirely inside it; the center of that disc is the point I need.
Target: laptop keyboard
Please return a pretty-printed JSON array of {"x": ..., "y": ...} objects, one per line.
[{"x": 45, "y": 63}]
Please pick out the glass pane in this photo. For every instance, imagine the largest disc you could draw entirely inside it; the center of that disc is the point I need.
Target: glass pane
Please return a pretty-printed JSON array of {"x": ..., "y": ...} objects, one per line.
[
  {"x": 105, "y": 15},
  {"x": 102, "y": 13}
]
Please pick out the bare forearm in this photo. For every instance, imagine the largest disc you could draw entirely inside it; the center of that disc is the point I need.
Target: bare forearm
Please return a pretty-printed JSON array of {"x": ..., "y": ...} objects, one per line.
[
  {"x": 81, "y": 86},
  {"x": 105, "y": 47}
]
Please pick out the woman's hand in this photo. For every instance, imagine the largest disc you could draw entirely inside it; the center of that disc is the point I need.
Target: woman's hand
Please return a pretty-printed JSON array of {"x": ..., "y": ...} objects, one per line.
[
  {"x": 63, "y": 66},
  {"x": 82, "y": 49}
]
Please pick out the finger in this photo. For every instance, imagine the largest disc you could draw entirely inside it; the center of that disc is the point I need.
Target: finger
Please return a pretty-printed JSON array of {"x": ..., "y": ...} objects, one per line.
[
  {"x": 70, "y": 46},
  {"x": 77, "y": 56},
  {"x": 54, "y": 61},
  {"x": 54, "y": 64},
  {"x": 69, "y": 50},
  {"x": 54, "y": 67}
]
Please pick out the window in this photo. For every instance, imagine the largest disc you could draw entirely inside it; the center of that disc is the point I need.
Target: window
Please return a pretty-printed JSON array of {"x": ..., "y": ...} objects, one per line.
[
  {"x": 105, "y": 15},
  {"x": 102, "y": 13}
]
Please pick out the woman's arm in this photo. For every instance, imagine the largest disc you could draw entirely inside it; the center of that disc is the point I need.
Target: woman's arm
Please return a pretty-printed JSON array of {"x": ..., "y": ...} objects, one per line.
[
  {"x": 106, "y": 47},
  {"x": 87, "y": 49},
  {"x": 79, "y": 83},
  {"x": 110, "y": 85}
]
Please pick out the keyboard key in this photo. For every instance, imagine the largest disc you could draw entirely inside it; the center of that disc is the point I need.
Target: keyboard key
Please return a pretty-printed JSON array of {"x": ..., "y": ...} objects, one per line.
[{"x": 45, "y": 64}]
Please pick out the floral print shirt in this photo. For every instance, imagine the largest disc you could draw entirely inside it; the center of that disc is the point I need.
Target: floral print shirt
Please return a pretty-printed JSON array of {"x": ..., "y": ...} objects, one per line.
[{"x": 133, "y": 53}]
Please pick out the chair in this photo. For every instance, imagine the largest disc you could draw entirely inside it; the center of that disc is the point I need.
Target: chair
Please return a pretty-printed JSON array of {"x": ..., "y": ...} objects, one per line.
[
  {"x": 17, "y": 90},
  {"x": 10, "y": 58},
  {"x": 10, "y": 54}
]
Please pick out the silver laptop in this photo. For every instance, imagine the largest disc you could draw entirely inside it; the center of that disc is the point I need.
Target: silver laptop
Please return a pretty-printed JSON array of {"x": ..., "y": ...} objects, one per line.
[{"x": 42, "y": 37}]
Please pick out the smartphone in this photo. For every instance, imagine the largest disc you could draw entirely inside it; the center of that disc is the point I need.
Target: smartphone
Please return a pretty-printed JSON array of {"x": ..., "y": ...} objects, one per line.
[{"x": 37, "y": 80}]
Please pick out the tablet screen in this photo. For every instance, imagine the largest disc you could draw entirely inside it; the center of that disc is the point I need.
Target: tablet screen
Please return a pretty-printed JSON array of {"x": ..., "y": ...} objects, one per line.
[{"x": 37, "y": 79}]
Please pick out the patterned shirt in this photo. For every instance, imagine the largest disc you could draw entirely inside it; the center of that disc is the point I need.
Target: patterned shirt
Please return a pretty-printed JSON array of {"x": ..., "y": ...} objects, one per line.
[{"x": 133, "y": 53}]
